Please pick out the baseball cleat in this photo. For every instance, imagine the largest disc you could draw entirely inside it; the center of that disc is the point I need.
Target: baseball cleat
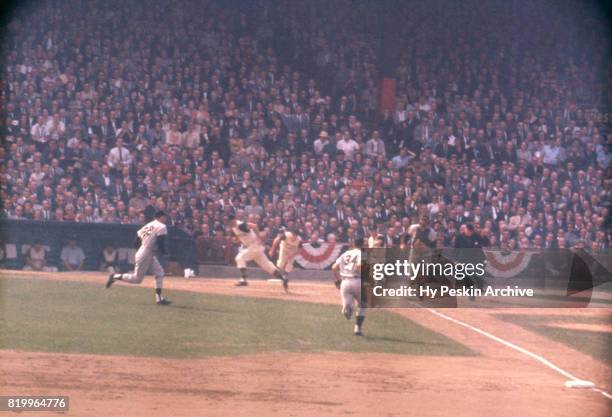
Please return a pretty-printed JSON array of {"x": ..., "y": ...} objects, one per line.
[
  {"x": 110, "y": 281},
  {"x": 241, "y": 284},
  {"x": 285, "y": 282},
  {"x": 164, "y": 302},
  {"x": 357, "y": 331}
]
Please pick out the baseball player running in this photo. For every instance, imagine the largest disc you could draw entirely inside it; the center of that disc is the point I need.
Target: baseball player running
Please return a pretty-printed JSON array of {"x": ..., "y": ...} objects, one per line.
[
  {"x": 347, "y": 270},
  {"x": 252, "y": 250},
  {"x": 150, "y": 240},
  {"x": 289, "y": 242}
]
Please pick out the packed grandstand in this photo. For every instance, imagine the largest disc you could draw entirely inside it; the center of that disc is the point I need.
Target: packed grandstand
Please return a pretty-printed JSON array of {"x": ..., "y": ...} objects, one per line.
[{"x": 273, "y": 113}]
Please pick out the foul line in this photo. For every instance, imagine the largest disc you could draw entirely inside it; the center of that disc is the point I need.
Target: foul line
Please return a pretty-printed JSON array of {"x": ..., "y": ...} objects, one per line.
[{"x": 518, "y": 348}]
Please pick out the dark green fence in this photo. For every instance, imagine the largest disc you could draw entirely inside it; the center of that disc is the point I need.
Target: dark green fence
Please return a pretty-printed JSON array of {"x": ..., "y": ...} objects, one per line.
[{"x": 91, "y": 237}]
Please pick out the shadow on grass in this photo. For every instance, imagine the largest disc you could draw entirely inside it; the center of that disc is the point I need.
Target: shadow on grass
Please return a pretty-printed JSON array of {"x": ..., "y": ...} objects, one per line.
[
  {"x": 188, "y": 307},
  {"x": 398, "y": 340},
  {"x": 175, "y": 306}
]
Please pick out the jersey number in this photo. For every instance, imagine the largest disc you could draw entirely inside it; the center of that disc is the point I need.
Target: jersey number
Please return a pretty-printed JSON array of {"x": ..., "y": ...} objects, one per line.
[
  {"x": 350, "y": 261},
  {"x": 147, "y": 231}
]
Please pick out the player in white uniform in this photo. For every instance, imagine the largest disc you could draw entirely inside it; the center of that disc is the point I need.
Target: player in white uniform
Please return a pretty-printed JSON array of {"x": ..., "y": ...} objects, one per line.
[
  {"x": 252, "y": 250},
  {"x": 347, "y": 270},
  {"x": 290, "y": 243},
  {"x": 150, "y": 240}
]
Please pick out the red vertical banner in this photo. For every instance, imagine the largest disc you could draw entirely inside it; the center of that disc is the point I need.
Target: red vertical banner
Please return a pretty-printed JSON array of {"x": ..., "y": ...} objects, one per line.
[{"x": 386, "y": 99}]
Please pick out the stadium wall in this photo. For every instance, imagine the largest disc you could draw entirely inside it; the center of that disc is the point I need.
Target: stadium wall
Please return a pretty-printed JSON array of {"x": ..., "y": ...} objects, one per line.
[{"x": 18, "y": 235}]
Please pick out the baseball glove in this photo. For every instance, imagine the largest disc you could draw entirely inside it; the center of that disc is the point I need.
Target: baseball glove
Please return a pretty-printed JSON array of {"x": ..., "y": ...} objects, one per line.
[{"x": 337, "y": 283}]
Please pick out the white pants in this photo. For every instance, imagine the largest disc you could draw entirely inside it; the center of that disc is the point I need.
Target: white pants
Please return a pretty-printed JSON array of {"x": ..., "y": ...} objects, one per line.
[
  {"x": 350, "y": 293},
  {"x": 286, "y": 257},
  {"x": 255, "y": 253},
  {"x": 145, "y": 262}
]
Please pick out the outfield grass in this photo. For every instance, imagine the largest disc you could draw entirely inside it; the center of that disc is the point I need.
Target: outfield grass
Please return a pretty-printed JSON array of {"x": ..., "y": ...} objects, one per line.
[
  {"x": 593, "y": 343},
  {"x": 59, "y": 316}
]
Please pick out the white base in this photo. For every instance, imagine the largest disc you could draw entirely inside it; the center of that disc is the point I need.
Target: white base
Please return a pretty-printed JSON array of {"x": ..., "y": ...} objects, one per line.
[{"x": 579, "y": 384}]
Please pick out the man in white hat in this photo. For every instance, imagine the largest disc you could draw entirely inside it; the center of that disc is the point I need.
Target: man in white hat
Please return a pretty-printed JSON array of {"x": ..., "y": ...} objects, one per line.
[{"x": 322, "y": 143}]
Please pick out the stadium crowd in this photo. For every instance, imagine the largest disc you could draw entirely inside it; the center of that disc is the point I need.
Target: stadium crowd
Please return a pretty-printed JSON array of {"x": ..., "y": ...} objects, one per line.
[{"x": 203, "y": 110}]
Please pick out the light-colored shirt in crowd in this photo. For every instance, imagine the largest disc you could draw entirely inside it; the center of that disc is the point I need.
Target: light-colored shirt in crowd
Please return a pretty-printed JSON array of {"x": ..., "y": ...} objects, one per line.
[
  {"x": 348, "y": 147},
  {"x": 119, "y": 156},
  {"x": 72, "y": 255}
]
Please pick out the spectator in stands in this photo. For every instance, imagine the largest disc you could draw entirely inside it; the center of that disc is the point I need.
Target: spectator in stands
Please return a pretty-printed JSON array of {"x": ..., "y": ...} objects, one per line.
[
  {"x": 348, "y": 146},
  {"x": 119, "y": 156},
  {"x": 375, "y": 147},
  {"x": 322, "y": 144},
  {"x": 2, "y": 254},
  {"x": 401, "y": 160},
  {"x": 72, "y": 256},
  {"x": 110, "y": 259},
  {"x": 35, "y": 259},
  {"x": 236, "y": 120}
]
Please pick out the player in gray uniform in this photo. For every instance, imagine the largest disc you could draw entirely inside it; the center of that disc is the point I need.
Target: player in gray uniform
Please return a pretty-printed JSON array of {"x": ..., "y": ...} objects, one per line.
[
  {"x": 252, "y": 250},
  {"x": 150, "y": 240},
  {"x": 347, "y": 270}
]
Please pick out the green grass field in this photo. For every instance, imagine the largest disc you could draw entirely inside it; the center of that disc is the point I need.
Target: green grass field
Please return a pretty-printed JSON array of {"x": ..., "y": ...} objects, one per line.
[
  {"x": 593, "y": 343},
  {"x": 59, "y": 316}
]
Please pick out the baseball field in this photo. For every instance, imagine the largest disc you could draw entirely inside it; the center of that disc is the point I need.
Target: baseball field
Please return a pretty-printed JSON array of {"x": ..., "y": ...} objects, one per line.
[{"x": 256, "y": 351}]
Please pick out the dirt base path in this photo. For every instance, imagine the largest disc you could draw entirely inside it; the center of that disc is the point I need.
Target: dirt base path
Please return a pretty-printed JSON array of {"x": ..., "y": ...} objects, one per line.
[{"x": 500, "y": 382}]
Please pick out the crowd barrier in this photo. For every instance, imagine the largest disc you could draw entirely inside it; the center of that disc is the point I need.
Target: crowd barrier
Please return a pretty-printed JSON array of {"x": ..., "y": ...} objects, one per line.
[{"x": 17, "y": 235}]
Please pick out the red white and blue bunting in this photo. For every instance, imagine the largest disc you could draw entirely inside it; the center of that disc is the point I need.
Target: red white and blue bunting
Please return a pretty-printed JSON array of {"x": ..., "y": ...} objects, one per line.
[
  {"x": 320, "y": 257},
  {"x": 507, "y": 264},
  {"x": 499, "y": 264}
]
